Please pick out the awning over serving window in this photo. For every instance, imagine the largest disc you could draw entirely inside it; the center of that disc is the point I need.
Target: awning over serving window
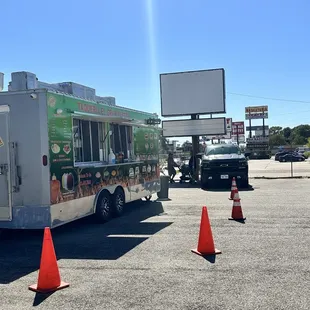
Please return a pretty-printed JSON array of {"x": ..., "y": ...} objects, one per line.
[
  {"x": 112, "y": 119},
  {"x": 100, "y": 118},
  {"x": 137, "y": 124}
]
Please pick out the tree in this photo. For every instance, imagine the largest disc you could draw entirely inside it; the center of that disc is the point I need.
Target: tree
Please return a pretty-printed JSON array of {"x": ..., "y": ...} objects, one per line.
[
  {"x": 276, "y": 140},
  {"x": 299, "y": 140},
  {"x": 302, "y": 130},
  {"x": 287, "y": 131},
  {"x": 300, "y": 134}
]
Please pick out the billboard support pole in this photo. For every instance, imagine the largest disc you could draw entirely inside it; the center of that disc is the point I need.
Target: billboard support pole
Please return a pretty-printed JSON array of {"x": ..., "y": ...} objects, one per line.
[
  {"x": 250, "y": 124},
  {"x": 195, "y": 146},
  {"x": 237, "y": 134},
  {"x": 263, "y": 124}
]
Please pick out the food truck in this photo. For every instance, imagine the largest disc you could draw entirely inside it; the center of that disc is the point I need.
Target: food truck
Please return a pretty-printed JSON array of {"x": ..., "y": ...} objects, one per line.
[{"x": 64, "y": 157}]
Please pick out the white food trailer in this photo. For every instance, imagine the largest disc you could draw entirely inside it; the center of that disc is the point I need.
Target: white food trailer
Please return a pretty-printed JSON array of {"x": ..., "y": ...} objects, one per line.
[{"x": 64, "y": 157}]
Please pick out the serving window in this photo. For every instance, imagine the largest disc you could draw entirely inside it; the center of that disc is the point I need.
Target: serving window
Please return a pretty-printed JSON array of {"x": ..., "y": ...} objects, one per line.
[
  {"x": 89, "y": 140},
  {"x": 121, "y": 140}
]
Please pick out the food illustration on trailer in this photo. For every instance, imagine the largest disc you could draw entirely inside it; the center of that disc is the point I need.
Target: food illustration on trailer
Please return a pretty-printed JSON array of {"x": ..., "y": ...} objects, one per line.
[{"x": 69, "y": 181}]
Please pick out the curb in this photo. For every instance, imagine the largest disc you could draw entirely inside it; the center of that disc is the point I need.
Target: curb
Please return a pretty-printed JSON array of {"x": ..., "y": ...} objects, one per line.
[{"x": 279, "y": 178}]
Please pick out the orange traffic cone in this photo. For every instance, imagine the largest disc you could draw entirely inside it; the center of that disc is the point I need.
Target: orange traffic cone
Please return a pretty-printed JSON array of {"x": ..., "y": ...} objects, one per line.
[
  {"x": 234, "y": 189},
  {"x": 49, "y": 277},
  {"x": 205, "y": 241},
  {"x": 236, "y": 213}
]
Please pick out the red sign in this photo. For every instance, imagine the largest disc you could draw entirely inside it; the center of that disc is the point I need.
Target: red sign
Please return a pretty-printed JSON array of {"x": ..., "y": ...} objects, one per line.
[{"x": 237, "y": 128}]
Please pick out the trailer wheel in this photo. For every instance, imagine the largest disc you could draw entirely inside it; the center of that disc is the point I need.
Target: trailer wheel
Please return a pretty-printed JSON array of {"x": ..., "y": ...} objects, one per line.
[
  {"x": 118, "y": 200},
  {"x": 103, "y": 208}
]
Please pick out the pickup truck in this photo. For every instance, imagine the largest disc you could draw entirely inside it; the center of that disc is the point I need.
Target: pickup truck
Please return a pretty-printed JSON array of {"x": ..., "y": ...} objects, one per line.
[{"x": 220, "y": 163}]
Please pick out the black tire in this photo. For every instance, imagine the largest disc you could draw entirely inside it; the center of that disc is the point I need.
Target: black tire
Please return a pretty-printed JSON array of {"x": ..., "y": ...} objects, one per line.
[
  {"x": 245, "y": 183},
  {"x": 204, "y": 181},
  {"x": 118, "y": 202},
  {"x": 104, "y": 207}
]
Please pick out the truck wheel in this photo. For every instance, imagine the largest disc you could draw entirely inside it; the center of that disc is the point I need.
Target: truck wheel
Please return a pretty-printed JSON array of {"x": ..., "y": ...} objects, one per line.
[
  {"x": 118, "y": 202},
  {"x": 204, "y": 181},
  {"x": 245, "y": 183},
  {"x": 103, "y": 208}
]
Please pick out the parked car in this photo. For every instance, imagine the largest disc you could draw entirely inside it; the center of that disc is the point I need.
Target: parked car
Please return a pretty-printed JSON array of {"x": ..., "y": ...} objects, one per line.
[
  {"x": 283, "y": 153},
  {"x": 291, "y": 157}
]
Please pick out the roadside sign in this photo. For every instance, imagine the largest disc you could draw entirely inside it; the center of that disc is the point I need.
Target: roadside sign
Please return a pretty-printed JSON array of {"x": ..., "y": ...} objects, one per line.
[
  {"x": 237, "y": 128},
  {"x": 228, "y": 124},
  {"x": 241, "y": 139},
  {"x": 256, "y": 112}
]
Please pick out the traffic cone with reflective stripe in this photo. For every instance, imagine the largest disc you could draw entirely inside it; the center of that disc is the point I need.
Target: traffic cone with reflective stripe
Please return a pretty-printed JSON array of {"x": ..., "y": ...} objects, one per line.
[
  {"x": 49, "y": 277},
  {"x": 205, "y": 241},
  {"x": 234, "y": 189},
  {"x": 236, "y": 213}
]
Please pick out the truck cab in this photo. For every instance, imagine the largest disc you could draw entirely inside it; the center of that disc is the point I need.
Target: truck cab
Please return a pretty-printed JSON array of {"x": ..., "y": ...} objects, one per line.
[{"x": 220, "y": 163}]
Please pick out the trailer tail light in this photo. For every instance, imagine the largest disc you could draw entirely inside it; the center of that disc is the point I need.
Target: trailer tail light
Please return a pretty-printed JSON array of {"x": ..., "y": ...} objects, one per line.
[{"x": 44, "y": 160}]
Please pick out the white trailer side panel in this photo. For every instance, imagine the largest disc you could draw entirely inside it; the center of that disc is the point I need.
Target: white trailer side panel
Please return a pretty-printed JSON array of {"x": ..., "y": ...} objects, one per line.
[{"x": 29, "y": 130}]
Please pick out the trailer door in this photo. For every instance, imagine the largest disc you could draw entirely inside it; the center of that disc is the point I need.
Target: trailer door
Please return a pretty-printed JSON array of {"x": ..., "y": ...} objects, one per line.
[{"x": 5, "y": 180}]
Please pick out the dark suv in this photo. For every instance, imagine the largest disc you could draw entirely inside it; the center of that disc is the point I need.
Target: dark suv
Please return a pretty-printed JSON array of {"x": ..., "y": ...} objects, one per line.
[{"x": 221, "y": 163}]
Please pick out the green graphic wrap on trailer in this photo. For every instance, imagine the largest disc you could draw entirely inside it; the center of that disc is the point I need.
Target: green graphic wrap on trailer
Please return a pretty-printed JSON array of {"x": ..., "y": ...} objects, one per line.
[{"x": 70, "y": 182}]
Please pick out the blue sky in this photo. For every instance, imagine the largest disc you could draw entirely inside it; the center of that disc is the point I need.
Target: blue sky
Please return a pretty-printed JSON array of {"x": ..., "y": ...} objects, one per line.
[{"x": 120, "y": 47}]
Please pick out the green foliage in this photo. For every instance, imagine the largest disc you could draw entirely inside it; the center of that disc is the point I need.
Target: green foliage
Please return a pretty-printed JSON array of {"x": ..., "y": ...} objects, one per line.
[
  {"x": 287, "y": 132},
  {"x": 277, "y": 140},
  {"x": 307, "y": 154},
  {"x": 298, "y": 135}
]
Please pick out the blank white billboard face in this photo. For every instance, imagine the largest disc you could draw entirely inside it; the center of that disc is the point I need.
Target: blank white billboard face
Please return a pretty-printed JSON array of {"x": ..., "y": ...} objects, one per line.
[
  {"x": 197, "y": 127},
  {"x": 194, "y": 92}
]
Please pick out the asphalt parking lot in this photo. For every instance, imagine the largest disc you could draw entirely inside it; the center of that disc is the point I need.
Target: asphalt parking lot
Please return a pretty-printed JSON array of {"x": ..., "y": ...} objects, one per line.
[{"x": 143, "y": 260}]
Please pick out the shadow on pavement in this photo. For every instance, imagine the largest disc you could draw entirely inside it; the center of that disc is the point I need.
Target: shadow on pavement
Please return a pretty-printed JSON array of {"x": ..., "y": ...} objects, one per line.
[
  {"x": 184, "y": 185},
  {"x": 238, "y": 221},
  {"x": 215, "y": 188},
  {"x": 228, "y": 189},
  {"x": 83, "y": 239},
  {"x": 39, "y": 298},
  {"x": 210, "y": 258}
]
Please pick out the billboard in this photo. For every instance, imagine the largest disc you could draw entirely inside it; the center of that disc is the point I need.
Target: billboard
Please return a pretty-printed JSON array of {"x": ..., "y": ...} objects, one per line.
[
  {"x": 221, "y": 137},
  {"x": 195, "y": 127},
  {"x": 257, "y": 140},
  {"x": 237, "y": 128},
  {"x": 192, "y": 92},
  {"x": 257, "y": 112},
  {"x": 241, "y": 139},
  {"x": 257, "y": 128}
]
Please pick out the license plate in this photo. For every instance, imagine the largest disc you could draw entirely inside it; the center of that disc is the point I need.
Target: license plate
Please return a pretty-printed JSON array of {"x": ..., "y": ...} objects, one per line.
[{"x": 224, "y": 176}]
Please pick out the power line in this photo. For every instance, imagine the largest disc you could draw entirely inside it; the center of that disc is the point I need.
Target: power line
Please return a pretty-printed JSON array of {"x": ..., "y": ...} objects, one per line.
[
  {"x": 268, "y": 98},
  {"x": 298, "y": 112}
]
